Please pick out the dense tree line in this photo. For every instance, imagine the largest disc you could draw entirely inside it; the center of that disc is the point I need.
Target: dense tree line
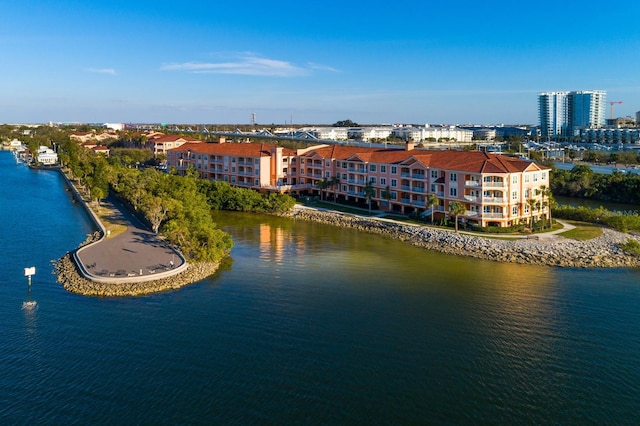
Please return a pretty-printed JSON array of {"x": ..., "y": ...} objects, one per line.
[{"x": 581, "y": 181}]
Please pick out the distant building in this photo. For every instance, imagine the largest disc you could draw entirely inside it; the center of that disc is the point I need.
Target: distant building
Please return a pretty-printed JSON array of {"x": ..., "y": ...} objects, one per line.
[
  {"x": 564, "y": 114},
  {"x": 46, "y": 156},
  {"x": 161, "y": 143},
  {"x": 114, "y": 126}
]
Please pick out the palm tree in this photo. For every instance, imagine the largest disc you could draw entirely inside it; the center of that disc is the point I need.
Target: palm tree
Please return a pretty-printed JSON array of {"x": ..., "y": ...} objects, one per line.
[
  {"x": 322, "y": 185},
  {"x": 456, "y": 208},
  {"x": 545, "y": 191},
  {"x": 369, "y": 192},
  {"x": 334, "y": 183},
  {"x": 533, "y": 205},
  {"x": 431, "y": 201},
  {"x": 387, "y": 195}
]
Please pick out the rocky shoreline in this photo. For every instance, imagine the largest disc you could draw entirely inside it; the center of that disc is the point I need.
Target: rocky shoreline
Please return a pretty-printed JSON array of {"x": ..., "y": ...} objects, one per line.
[
  {"x": 71, "y": 279},
  {"x": 601, "y": 252}
]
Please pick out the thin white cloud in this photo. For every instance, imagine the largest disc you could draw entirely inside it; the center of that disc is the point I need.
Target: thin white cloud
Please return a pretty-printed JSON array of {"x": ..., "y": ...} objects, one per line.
[
  {"x": 109, "y": 71},
  {"x": 321, "y": 67},
  {"x": 247, "y": 64}
]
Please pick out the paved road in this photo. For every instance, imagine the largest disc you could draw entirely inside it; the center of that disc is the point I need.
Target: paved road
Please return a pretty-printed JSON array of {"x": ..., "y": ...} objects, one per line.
[{"x": 135, "y": 252}]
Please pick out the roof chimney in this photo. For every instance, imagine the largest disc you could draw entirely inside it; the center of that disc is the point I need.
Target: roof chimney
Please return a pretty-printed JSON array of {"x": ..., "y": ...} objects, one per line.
[
  {"x": 222, "y": 139},
  {"x": 409, "y": 145}
]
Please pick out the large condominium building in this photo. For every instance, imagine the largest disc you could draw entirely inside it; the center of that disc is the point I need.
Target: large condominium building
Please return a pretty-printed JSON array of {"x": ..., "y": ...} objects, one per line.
[
  {"x": 564, "y": 114},
  {"x": 496, "y": 190}
]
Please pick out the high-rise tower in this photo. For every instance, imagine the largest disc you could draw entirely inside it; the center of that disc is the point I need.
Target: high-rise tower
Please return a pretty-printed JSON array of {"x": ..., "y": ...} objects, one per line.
[
  {"x": 563, "y": 114},
  {"x": 553, "y": 114}
]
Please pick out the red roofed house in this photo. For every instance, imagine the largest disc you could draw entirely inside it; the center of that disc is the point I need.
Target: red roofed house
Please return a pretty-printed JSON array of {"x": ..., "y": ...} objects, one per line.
[
  {"x": 81, "y": 137},
  {"x": 101, "y": 149},
  {"x": 160, "y": 144},
  {"x": 495, "y": 189}
]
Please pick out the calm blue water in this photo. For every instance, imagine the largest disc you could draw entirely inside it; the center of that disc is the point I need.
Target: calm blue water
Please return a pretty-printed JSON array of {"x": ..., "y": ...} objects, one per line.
[{"x": 309, "y": 324}]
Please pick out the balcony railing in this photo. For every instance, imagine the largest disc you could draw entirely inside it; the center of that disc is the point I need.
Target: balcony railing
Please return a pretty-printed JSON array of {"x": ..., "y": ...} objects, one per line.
[
  {"x": 473, "y": 183},
  {"x": 493, "y": 215},
  {"x": 494, "y": 184},
  {"x": 493, "y": 200}
]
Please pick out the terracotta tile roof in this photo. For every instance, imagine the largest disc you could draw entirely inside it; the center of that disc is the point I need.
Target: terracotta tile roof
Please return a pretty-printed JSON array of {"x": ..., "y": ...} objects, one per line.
[
  {"x": 172, "y": 138},
  {"x": 464, "y": 161},
  {"x": 469, "y": 161},
  {"x": 239, "y": 149}
]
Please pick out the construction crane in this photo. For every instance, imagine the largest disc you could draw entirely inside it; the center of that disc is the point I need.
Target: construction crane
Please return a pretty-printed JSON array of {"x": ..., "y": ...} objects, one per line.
[{"x": 612, "y": 103}]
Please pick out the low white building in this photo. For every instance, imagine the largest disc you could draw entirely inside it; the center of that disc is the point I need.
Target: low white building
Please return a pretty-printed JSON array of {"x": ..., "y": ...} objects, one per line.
[{"x": 46, "y": 156}]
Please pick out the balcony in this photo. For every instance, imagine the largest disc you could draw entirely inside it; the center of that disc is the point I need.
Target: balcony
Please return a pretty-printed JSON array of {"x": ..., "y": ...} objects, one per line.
[
  {"x": 501, "y": 184},
  {"x": 493, "y": 200},
  {"x": 418, "y": 189},
  {"x": 472, "y": 183},
  {"x": 493, "y": 215}
]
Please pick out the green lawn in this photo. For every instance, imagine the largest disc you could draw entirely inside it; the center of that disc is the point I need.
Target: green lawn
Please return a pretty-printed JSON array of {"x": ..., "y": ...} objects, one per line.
[{"x": 583, "y": 231}]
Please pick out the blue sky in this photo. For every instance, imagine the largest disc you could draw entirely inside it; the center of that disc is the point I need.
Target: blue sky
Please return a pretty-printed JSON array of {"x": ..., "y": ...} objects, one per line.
[{"x": 311, "y": 62}]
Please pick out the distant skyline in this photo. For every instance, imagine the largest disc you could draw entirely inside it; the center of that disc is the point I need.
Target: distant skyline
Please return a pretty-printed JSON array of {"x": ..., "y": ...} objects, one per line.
[{"x": 218, "y": 62}]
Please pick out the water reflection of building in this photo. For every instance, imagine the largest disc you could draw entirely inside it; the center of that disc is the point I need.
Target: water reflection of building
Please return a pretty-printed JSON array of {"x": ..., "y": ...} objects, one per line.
[{"x": 277, "y": 243}]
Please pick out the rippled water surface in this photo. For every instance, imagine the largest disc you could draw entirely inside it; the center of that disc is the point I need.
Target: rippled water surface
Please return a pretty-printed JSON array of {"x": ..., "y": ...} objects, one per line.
[{"x": 309, "y": 324}]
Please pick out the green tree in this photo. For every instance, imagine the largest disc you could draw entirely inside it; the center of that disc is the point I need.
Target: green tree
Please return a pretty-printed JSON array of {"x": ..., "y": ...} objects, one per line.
[
  {"x": 431, "y": 202},
  {"x": 545, "y": 192},
  {"x": 322, "y": 185},
  {"x": 387, "y": 195},
  {"x": 456, "y": 208},
  {"x": 533, "y": 204},
  {"x": 369, "y": 192},
  {"x": 334, "y": 182}
]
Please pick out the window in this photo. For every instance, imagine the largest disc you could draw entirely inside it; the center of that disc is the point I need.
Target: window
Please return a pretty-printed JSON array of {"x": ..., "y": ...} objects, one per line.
[
  {"x": 394, "y": 170},
  {"x": 434, "y": 174},
  {"x": 372, "y": 180},
  {"x": 526, "y": 208},
  {"x": 383, "y": 169},
  {"x": 433, "y": 187},
  {"x": 535, "y": 177},
  {"x": 372, "y": 167},
  {"x": 453, "y": 192},
  {"x": 344, "y": 164},
  {"x": 256, "y": 161},
  {"x": 394, "y": 195},
  {"x": 514, "y": 211},
  {"x": 527, "y": 193},
  {"x": 526, "y": 178},
  {"x": 486, "y": 209},
  {"x": 233, "y": 159},
  {"x": 453, "y": 177},
  {"x": 327, "y": 174},
  {"x": 383, "y": 181},
  {"x": 344, "y": 176},
  {"x": 256, "y": 182},
  {"x": 514, "y": 179},
  {"x": 327, "y": 163},
  {"x": 543, "y": 176},
  {"x": 514, "y": 195},
  {"x": 394, "y": 183}
]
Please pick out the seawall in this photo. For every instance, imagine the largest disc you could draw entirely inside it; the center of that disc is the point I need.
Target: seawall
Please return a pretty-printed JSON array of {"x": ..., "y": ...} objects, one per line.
[{"x": 601, "y": 252}]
